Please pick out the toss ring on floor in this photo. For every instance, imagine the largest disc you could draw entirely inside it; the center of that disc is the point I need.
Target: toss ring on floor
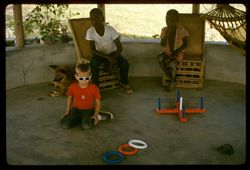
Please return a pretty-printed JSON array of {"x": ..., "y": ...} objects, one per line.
[
  {"x": 123, "y": 146},
  {"x": 108, "y": 155},
  {"x": 134, "y": 143}
]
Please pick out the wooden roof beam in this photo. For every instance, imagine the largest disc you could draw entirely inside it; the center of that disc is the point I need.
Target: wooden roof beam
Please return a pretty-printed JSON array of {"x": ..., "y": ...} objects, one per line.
[
  {"x": 18, "y": 24},
  {"x": 102, "y": 7},
  {"x": 196, "y": 8}
]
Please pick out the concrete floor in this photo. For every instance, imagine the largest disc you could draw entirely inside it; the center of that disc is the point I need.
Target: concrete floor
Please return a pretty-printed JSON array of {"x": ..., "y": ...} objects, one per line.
[{"x": 34, "y": 137}]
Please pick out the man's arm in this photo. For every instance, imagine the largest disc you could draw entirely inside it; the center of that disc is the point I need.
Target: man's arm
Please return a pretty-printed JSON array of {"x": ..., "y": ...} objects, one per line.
[
  {"x": 163, "y": 41},
  {"x": 97, "y": 110},
  {"x": 69, "y": 102},
  {"x": 184, "y": 46},
  {"x": 95, "y": 52},
  {"x": 97, "y": 107},
  {"x": 68, "y": 107},
  {"x": 163, "y": 36},
  {"x": 118, "y": 47},
  {"x": 112, "y": 57}
]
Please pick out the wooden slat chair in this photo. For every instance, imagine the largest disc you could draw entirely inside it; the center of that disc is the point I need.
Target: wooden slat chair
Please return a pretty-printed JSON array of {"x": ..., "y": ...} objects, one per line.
[
  {"x": 78, "y": 29},
  {"x": 190, "y": 72}
]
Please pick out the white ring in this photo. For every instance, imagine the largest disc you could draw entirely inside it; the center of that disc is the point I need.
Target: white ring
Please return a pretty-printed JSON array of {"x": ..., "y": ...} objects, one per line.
[{"x": 142, "y": 146}]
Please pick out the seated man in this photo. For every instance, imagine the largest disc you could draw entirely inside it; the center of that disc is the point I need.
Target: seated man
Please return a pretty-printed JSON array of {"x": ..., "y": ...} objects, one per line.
[
  {"x": 174, "y": 41},
  {"x": 106, "y": 48}
]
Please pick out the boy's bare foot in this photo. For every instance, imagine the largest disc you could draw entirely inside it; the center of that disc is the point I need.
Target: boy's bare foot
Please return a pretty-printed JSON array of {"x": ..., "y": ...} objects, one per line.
[{"x": 127, "y": 88}]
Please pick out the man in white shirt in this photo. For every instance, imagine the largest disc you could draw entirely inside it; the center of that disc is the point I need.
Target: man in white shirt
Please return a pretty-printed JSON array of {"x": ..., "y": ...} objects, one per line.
[{"x": 106, "y": 47}]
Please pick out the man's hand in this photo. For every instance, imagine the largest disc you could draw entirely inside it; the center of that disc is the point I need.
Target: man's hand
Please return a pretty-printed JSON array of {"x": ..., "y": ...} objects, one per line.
[{"x": 112, "y": 61}]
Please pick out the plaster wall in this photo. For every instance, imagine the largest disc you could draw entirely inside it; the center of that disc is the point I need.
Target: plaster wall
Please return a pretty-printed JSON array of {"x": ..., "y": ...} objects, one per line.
[
  {"x": 225, "y": 64},
  {"x": 31, "y": 64}
]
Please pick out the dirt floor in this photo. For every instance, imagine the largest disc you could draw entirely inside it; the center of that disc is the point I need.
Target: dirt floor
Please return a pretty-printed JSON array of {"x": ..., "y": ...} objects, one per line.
[{"x": 34, "y": 137}]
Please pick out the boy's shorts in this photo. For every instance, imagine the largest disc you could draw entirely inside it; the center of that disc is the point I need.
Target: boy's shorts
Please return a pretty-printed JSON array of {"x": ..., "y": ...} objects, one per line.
[{"x": 77, "y": 116}]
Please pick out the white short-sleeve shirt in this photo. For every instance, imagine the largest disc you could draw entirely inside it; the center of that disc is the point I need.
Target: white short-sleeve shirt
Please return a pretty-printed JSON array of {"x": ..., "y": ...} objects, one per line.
[{"x": 104, "y": 44}]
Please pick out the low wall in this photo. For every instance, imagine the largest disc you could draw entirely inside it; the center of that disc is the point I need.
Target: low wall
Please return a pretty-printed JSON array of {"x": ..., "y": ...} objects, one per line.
[
  {"x": 224, "y": 63},
  {"x": 31, "y": 64}
]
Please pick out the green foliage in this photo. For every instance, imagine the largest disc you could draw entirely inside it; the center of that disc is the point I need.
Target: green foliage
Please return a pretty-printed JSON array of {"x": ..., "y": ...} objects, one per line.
[
  {"x": 48, "y": 19},
  {"x": 10, "y": 43},
  {"x": 133, "y": 36},
  {"x": 10, "y": 22}
]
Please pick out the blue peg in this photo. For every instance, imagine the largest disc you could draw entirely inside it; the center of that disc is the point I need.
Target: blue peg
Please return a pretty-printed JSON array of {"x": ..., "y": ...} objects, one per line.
[
  {"x": 178, "y": 95},
  {"x": 184, "y": 112},
  {"x": 201, "y": 102},
  {"x": 159, "y": 103}
]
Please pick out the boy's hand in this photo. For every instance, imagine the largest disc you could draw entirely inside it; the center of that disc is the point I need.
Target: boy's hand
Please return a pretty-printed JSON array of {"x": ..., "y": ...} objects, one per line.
[
  {"x": 96, "y": 118},
  {"x": 66, "y": 113}
]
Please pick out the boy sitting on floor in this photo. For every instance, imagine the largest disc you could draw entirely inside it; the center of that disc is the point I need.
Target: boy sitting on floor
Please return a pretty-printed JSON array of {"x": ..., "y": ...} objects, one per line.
[{"x": 83, "y": 102}]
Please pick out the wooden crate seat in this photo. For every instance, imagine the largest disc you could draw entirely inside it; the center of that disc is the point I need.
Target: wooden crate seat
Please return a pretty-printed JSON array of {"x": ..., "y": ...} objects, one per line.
[{"x": 109, "y": 80}]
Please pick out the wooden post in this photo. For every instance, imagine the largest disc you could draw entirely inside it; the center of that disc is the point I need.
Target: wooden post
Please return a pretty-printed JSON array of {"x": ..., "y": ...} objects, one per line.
[
  {"x": 102, "y": 7},
  {"x": 196, "y": 8},
  {"x": 18, "y": 22}
]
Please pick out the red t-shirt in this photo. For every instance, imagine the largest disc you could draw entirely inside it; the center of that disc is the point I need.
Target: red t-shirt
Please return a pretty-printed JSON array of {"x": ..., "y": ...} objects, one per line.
[{"x": 84, "y": 98}]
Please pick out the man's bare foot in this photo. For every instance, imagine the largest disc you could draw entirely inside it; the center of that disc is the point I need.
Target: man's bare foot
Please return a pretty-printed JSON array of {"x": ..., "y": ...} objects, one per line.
[{"x": 127, "y": 88}]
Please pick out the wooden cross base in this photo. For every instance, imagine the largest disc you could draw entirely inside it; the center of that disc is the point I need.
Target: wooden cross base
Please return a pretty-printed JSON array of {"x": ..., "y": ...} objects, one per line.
[
  {"x": 181, "y": 113},
  {"x": 180, "y": 110}
]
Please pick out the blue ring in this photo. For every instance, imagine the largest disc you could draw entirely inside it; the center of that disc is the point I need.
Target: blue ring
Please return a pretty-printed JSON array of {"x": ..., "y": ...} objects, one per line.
[{"x": 107, "y": 155}]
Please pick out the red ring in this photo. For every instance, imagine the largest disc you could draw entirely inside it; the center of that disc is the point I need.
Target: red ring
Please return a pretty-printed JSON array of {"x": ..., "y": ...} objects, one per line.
[{"x": 132, "y": 152}]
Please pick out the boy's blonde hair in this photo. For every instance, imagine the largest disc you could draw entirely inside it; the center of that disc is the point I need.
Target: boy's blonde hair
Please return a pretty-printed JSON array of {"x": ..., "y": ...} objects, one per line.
[{"x": 82, "y": 67}]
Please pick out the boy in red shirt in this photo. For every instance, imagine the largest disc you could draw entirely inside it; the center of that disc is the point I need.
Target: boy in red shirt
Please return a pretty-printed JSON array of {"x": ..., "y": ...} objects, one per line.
[{"x": 83, "y": 102}]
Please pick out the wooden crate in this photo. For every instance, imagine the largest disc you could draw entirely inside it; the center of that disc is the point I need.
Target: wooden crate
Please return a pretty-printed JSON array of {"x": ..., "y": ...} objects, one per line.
[
  {"x": 103, "y": 73},
  {"x": 109, "y": 85},
  {"x": 109, "y": 80},
  {"x": 190, "y": 66},
  {"x": 189, "y": 74},
  {"x": 189, "y": 83}
]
